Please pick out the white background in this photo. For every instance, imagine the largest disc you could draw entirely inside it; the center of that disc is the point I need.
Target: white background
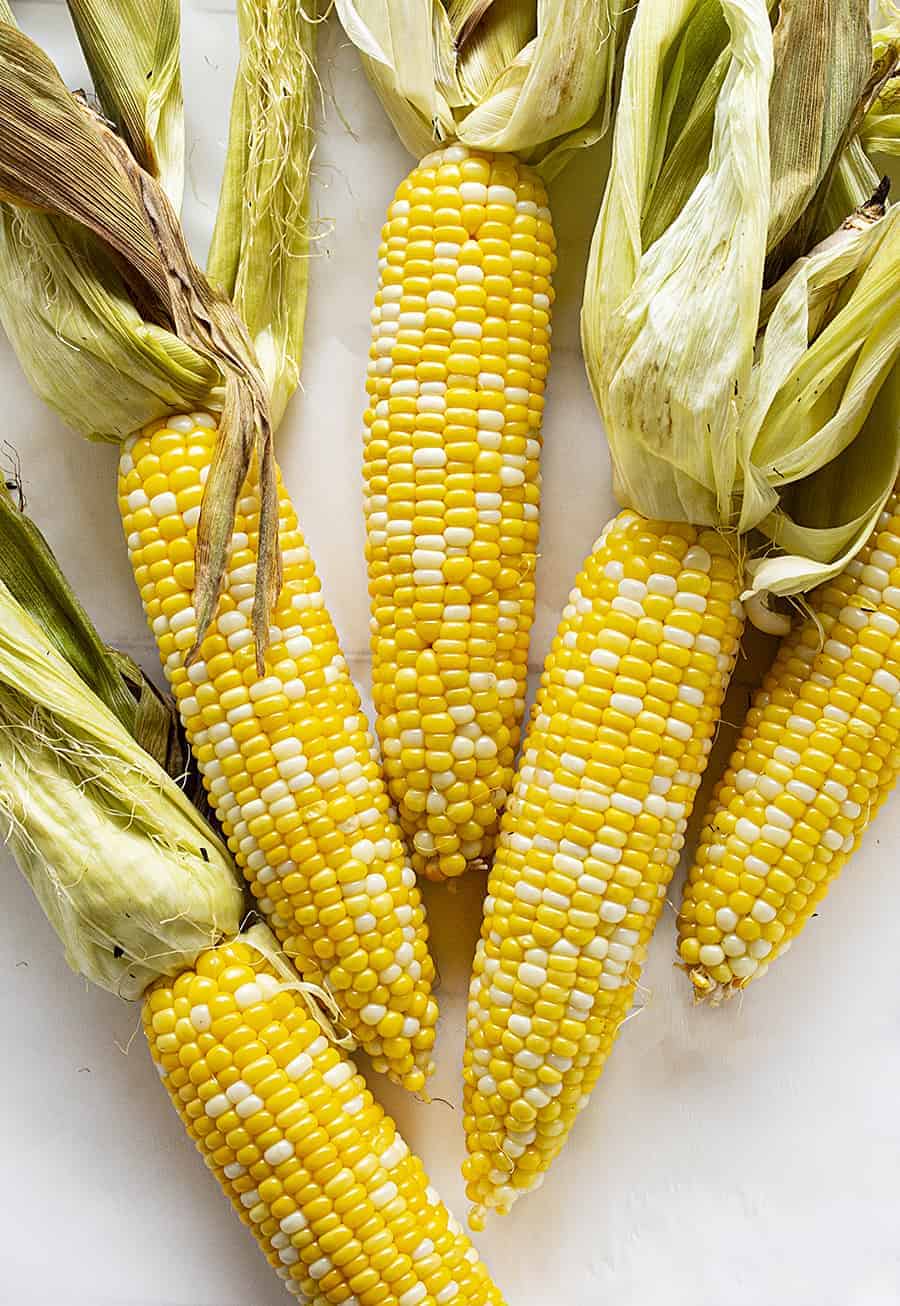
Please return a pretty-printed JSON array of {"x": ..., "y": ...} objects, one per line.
[{"x": 733, "y": 1157}]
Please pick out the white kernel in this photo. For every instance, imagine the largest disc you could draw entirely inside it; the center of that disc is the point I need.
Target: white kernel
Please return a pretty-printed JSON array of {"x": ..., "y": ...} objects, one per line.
[
  {"x": 612, "y": 912},
  {"x": 249, "y": 1106},
  {"x": 630, "y": 704},
  {"x": 279, "y": 1152},
  {"x": 300, "y": 1065},
  {"x": 248, "y": 995}
]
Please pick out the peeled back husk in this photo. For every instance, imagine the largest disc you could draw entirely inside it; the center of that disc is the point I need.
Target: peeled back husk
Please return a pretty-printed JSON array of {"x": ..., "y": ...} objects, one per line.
[
  {"x": 57, "y": 156},
  {"x": 518, "y": 75},
  {"x": 724, "y": 399},
  {"x": 133, "y": 881},
  {"x": 260, "y": 248},
  {"x": 823, "y": 437},
  {"x": 668, "y": 328}
]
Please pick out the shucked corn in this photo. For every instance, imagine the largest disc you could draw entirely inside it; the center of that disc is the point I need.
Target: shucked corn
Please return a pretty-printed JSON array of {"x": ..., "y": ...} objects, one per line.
[
  {"x": 310, "y": 1162},
  {"x": 452, "y": 484},
  {"x": 819, "y": 752},
  {"x": 287, "y": 757},
  {"x": 618, "y": 742}
]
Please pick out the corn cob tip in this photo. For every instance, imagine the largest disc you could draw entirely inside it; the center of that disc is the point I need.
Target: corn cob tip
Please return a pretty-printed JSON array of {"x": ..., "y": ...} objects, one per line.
[
  {"x": 704, "y": 988},
  {"x": 477, "y": 1219},
  {"x": 710, "y": 992}
]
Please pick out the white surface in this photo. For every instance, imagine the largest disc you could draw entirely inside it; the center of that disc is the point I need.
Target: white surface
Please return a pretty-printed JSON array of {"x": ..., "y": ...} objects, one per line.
[{"x": 728, "y": 1158}]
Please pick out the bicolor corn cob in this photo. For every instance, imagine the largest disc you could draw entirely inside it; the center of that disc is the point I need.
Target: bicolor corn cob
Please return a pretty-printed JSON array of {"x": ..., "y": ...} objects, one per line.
[
  {"x": 452, "y": 484},
  {"x": 619, "y": 738},
  {"x": 817, "y": 756},
  {"x": 286, "y": 758},
  {"x": 311, "y": 1163}
]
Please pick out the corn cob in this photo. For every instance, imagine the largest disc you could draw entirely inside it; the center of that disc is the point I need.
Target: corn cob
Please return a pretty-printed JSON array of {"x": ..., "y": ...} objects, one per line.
[
  {"x": 338, "y": 1204},
  {"x": 453, "y": 432},
  {"x": 817, "y": 756},
  {"x": 286, "y": 757},
  {"x": 618, "y": 741}
]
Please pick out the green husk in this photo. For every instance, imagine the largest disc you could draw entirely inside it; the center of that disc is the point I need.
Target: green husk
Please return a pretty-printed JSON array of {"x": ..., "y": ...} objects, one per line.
[
  {"x": 132, "y": 880},
  {"x": 880, "y": 131},
  {"x": 822, "y": 430},
  {"x": 84, "y": 346},
  {"x": 33, "y": 577},
  {"x": 132, "y": 51},
  {"x": 260, "y": 248},
  {"x": 821, "y": 52},
  {"x": 722, "y": 398},
  {"x": 50, "y": 145},
  {"x": 522, "y": 75},
  {"x": 823, "y": 58},
  {"x": 825, "y": 520},
  {"x": 668, "y": 329}
]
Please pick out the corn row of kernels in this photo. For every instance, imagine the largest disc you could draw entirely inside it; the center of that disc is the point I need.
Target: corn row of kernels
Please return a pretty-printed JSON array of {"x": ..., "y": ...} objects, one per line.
[
  {"x": 287, "y": 758},
  {"x": 618, "y": 742},
  {"x": 310, "y": 1162},
  {"x": 458, "y": 364},
  {"x": 816, "y": 758}
]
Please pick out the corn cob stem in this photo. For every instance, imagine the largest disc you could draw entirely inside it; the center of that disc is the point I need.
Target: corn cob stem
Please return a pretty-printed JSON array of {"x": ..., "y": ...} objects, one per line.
[
  {"x": 338, "y": 1204},
  {"x": 286, "y": 758},
  {"x": 817, "y": 756},
  {"x": 618, "y": 742},
  {"x": 456, "y": 379}
]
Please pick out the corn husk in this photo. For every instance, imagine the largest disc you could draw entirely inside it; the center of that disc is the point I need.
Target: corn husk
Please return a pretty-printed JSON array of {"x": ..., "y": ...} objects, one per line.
[
  {"x": 32, "y": 575},
  {"x": 260, "y": 249},
  {"x": 823, "y": 59},
  {"x": 131, "y": 878},
  {"x": 58, "y": 157},
  {"x": 722, "y": 397},
  {"x": 668, "y": 329},
  {"x": 132, "y": 51},
  {"x": 836, "y": 510},
  {"x": 529, "y": 76},
  {"x": 823, "y": 435},
  {"x": 880, "y": 131}
]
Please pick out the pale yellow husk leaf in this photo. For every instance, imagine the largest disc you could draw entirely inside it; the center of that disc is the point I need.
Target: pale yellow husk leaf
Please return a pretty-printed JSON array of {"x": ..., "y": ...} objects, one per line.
[
  {"x": 260, "y": 249},
  {"x": 131, "y": 878},
  {"x": 518, "y": 75},
  {"x": 668, "y": 329},
  {"x": 132, "y": 48}
]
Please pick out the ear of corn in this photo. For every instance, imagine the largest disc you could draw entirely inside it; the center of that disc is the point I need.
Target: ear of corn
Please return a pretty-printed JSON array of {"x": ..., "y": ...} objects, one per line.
[
  {"x": 456, "y": 392},
  {"x": 286, "y": 756},
  {"x": 619, "y": 738},
  {"x": 818, "y": 754},
  {"x": 340, "y": 1207}
]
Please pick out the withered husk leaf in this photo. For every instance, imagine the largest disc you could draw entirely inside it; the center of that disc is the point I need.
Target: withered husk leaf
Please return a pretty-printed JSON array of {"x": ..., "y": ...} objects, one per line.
[{"x": 50, "y": 144}]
